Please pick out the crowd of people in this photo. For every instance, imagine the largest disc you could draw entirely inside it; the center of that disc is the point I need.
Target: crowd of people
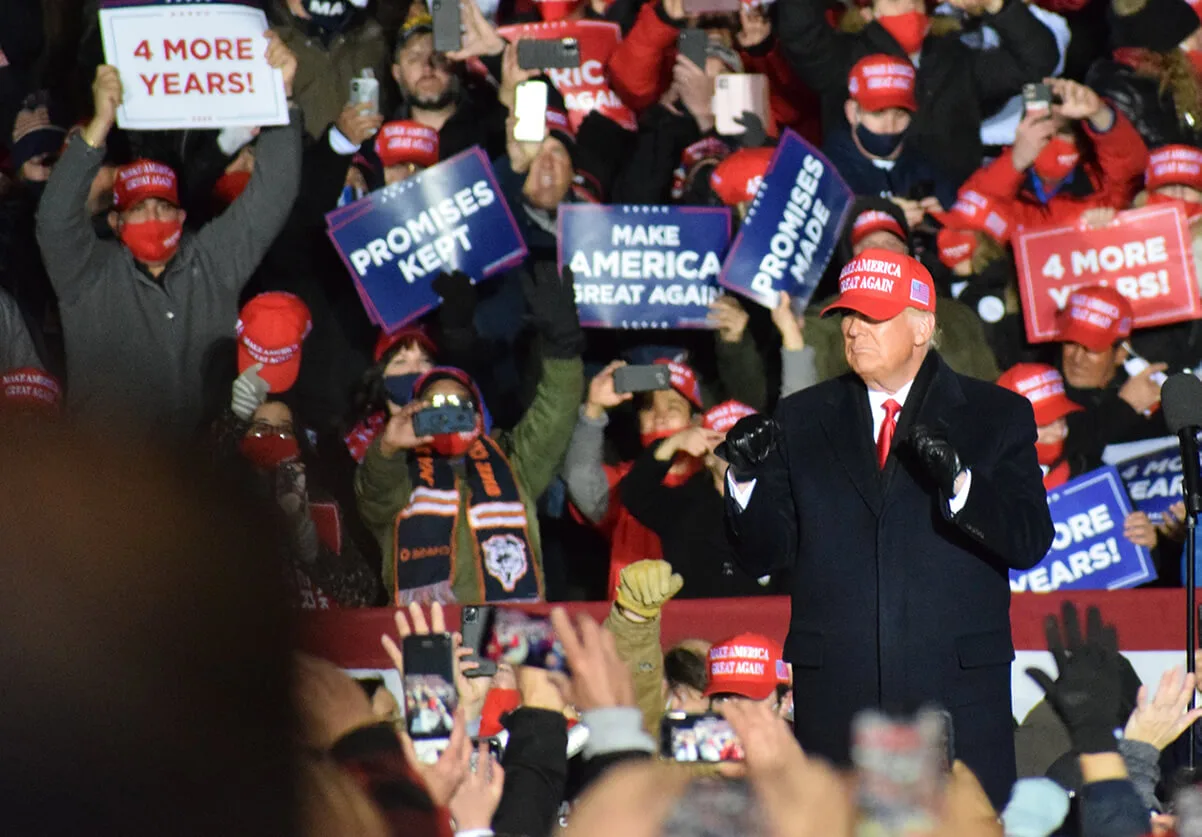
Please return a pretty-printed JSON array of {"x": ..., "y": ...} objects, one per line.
[{"x": 178, "y": 288}]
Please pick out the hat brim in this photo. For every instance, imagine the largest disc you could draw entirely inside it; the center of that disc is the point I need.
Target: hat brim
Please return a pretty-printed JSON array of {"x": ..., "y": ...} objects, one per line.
[
  {"x": 751, "y": 689},
  {"x": 874, "y": 308},
  {"x": 884, "y": 102},
  {"x": 279, "y": 376},
  {"x": 1054, "y": 409},
  {"x": 148, "y": 194},
  {"x": 1090, "y": 338}
]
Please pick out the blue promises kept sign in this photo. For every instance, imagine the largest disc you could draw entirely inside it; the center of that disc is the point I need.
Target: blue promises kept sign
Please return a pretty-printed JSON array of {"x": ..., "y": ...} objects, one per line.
[
  {"x": 643, "y": 266},
  {"x": 396, "y": 240},
  {"x": 792, "y": 228},
  {"x": 1153, "y": 480},
  {"x": 1089, "y": 551}
]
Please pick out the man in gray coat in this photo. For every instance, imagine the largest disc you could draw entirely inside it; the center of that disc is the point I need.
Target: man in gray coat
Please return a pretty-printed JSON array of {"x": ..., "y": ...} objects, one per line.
[{"x": 142, "y": 314}]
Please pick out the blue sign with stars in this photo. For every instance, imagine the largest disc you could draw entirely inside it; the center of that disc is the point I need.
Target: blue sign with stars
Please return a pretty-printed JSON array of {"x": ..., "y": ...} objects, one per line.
[
  {"x": 643, "y": 266},
  {"x": 397, "y": 239}
]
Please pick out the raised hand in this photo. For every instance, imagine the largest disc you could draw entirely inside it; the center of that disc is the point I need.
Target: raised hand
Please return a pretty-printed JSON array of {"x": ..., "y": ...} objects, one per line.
[
  {"x": 729, "y": 318},
  {"x": 601, "y": 393},
  {"x": 790, "y": 326},
  {"x": 358, "y": 123},
  {"x": 479, "y": 36},
  {"x": 478, "y": 796},
  {"x": 106, "y": 98},
  {"x": 644, "y": 587},
  {"x": 281, "y": 58},
  {"x": 1033, "y": 133},
  {"x": 937, "y": 456},
  {"x": 748, "y": 444},
  {"x": 398, "y": 434},
  {"x": 695, "y": 441},
  {"x": 1159, "y": 721}
]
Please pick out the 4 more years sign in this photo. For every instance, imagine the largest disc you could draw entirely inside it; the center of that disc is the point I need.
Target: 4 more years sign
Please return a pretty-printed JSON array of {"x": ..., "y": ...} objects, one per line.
[{"x": 1145, "y": 255}]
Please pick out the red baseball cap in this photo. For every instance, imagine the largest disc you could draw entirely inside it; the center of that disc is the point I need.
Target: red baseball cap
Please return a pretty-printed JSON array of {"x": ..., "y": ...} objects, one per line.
[
  {"x": 142, "y": 180},
  {"x": 1096, "y": 318},
  {"x": 955, "y": 245},
  {"x": 874, "y": 220},
  {"x": 271, "y": 328},
  {"x": 737, "y": 178},
  {"x": 710, "y": 148},
  {"x": 406, "y": 141},
  {"x": 27, "y": 388},
  {"x": 880, "y": 284},
  {"x": 684, "y": 380},
  {"x": 410, "y": 334},
  {"x": 974, "y": 211},
  {"x": 1174, "y": 165},
  {"x": 878, "y": 82},
  {"x": 725, "y": 416},
  {"x": 750, "y": 665},
  {"x": 1043, "y": 386}
]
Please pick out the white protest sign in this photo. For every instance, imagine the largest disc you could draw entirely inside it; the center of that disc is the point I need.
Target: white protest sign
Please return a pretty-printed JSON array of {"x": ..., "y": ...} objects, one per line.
[{"x": 193, "y": 67}]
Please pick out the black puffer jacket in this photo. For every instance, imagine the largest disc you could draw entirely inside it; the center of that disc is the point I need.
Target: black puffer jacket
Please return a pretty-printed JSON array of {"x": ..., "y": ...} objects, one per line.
[{"x": 1140, "y": 99}]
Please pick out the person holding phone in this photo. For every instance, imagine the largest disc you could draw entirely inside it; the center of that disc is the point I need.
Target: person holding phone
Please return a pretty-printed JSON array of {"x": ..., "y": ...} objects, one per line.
[
  {"x": 454, "y": 510},
  {"x": 1071, "y": 154}
]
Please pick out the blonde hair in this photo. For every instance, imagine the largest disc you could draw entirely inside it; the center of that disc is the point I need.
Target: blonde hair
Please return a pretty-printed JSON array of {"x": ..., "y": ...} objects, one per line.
[{"x": 1177, "y": 77}]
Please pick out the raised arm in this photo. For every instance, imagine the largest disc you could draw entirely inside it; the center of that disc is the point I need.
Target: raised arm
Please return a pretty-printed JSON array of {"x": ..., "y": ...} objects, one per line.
[
  {"x": 819, "y": 55},
  {"x": 583, "y": 467},
  {"x": 1026, "y": 51},
  {"x": 760, "y": 516}
]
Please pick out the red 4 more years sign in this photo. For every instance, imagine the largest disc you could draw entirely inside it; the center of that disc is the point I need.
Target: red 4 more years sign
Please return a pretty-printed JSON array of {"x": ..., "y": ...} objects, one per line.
[{"x": 1144, "y": 254}]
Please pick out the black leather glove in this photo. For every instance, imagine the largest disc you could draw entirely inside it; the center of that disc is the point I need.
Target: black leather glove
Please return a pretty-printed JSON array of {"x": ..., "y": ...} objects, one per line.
[
  {"x": 937, "y": 456},
  {"x": 552, "y": 304},
  {"x": 748, "y": 444},
  {"x": 1087, "y": 695},
  {"x": 754, "y": 135},
  {"x": 458, "y": 299}
]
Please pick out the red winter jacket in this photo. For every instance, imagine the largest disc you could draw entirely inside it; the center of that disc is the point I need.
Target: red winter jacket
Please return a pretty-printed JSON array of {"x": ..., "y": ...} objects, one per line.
[
  {"x": 1111, "y": 181},
  {"x": 640, "y": 70}
]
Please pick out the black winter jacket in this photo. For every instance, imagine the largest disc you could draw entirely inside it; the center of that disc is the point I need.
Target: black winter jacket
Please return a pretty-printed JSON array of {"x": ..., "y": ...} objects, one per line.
[{"x": 1139, "y": 98}]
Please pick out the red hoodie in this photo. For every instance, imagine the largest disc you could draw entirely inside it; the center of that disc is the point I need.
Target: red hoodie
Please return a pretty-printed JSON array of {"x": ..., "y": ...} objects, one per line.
[{"x": 1113, "y": 180}]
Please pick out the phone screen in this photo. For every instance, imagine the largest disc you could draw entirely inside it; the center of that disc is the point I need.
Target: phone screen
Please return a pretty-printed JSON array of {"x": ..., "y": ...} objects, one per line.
[
  {"x": 706, "y": 738},
  {"x": 520, "y": 639},
  {"x": 530, "y": 109},
  {"x": 429, "y": 683}
]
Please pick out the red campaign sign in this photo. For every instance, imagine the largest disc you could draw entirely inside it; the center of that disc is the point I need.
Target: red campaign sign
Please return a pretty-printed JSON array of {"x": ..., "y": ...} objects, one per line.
[
  {"x": 584, "y": 88},
  {"x": 1144, "y": 254}
]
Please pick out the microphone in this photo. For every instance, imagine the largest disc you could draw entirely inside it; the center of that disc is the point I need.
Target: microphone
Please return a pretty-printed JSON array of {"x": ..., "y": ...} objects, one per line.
[{"x": 1181, "y": 400}]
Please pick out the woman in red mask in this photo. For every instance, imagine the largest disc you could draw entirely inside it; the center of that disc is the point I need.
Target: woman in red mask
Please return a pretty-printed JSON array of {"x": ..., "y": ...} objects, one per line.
[
  {"x": 1043, "y": 386},
  {"x": 1076, "y": 155}
]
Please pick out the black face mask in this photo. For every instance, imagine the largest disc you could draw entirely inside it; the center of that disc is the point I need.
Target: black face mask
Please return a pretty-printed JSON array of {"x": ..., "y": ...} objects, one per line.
[
  {"x": 331, "y": 15},
  {"x": 879, "y": 145},
  {"x": 400, "y": 387}
]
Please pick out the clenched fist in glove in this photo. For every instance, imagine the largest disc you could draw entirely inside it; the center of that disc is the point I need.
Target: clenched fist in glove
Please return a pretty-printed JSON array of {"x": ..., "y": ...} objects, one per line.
[
  {"x": 937, "y": 457},
  {"x": 1088, "y": 693},
  {"x": 645, "y": 586},
  {"x": 248, "y": 392},
  {"x": 552, "y": 302},
  {"x": 748, "y": 444}
]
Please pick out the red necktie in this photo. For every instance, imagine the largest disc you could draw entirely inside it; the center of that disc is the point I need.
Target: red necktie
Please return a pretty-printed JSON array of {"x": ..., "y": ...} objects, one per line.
[{"x": 885, "y": 439}]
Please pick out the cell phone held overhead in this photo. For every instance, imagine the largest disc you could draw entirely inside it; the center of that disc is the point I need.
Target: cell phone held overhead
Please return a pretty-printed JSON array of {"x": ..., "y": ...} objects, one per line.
[
  {"x": 530, "y": 111},
  {"x": 429, "y": 685},
  {"x": 365, "y": 90},
  {"x": 548, "y": 53},
  {"x": 648, "y": 378}
]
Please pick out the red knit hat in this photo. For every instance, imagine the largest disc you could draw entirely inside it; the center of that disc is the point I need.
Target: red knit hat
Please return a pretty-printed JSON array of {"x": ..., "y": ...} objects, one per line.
[{"x": 410, "y": 334}]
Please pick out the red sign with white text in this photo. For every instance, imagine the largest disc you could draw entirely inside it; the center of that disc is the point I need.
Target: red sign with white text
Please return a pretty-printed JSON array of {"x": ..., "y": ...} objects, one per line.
[
  {"x": 584, "y": 88},
  {"x": 1144, "y": 254}
]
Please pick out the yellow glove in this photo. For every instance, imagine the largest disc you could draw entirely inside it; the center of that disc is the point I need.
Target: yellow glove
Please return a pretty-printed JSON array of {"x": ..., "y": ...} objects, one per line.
[{"x": 644, "y": 587}]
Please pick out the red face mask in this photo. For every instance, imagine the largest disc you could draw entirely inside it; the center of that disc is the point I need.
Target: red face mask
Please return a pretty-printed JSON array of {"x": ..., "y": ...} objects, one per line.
[
  {"x": 152, "y": 242},
  {"x": 908, "y": 29},
  {"x": 1195, "y": 58},
  {"x": 1192, "y": 210},
  {"x": 229, "y": 186},
  {"x": 454, "y": 444},
  {"x": 556, "y": 9},
  {"x": 1049, "y": 452},
  {"x": 267, "y": 452},
  {"x": 955, "y": 246},
  {"x": 1058, "y": 158},
  {"x": 652, "y": 436}
]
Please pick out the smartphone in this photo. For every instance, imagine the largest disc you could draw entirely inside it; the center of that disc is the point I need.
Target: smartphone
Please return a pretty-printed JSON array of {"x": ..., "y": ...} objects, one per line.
[
  {"x": 434, "y": 421},
  {"x": 647, "y": 378},
  {"x": 548, "y": 53},
  {"x": 706, "y": 737},
  {"x": 475, "y": 621},
  {"x": 736, "y": 94},
  {"x": 530, "y": 108},
  {"x": 692, "y": 44},
  {"x": 429, "y": 684},
  {"x": 899, "y": 764},
  {"x": 494, "y": 749},
  {"x": 448, "y": 31},
  {"x": 710, "y": 7},
  {"x": 365, "y": 90},
  {"x": 1037, "y": 98},
  {"x": 521, "y": 639}
]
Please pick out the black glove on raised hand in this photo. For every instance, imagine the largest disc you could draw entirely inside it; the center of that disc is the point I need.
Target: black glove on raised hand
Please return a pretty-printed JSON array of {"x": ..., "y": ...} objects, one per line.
[
  {"x": 754, "y": 135},
  {"x": 458, "y": 299},
  {"x": 1087, "y": 695},
  {"x": 552, "y": 304},
  {"x": 937, "y": 457},
  {"x": 748, "y": 444}
]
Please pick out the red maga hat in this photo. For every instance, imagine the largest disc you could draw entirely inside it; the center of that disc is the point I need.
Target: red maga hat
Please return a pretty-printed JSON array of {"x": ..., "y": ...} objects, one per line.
[
  {"x": 271, "y": 328},
  {"x": 880, "y": 284}
]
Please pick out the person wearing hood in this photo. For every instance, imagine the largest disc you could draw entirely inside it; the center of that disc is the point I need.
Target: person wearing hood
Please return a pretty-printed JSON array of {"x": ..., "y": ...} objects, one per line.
[
  {"x": 1154, "y": 75},
  {"x": 1080, "y": 154},
  {"x": 954, "y": 83},
  {"x": 454, "y": 512},
  {"x": 437, "y": 93},
  {"x": 171, "y": 295},
  {"x": 334, "y": 42},
  {"x": 874, "y": 152}
]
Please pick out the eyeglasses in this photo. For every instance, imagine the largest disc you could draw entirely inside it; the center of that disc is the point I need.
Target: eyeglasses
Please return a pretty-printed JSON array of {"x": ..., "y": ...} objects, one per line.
[
  {"x": 265, "y": 429},
  {"x": 450, "y": 400}
]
